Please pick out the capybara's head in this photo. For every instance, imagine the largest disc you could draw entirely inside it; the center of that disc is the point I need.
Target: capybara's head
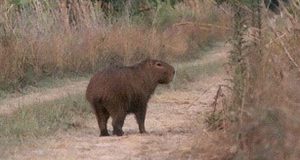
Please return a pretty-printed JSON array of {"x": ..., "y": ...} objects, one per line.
[{"x": 162, "y": 72}]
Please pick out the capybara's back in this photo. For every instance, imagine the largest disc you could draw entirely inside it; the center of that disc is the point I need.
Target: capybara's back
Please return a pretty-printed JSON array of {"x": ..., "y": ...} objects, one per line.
[
  {"x": 119, "y": 90},
  {"x": 104, "y": 84}
]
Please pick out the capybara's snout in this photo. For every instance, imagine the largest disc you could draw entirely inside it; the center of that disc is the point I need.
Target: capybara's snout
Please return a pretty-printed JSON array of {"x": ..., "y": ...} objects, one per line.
[
  {"x": 168, "y": 74},
  {"x": 172, "y": 74}
]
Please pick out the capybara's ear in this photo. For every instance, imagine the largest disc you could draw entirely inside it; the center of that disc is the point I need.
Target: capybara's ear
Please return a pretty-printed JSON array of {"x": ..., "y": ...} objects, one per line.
[{"x": 147, "y": 59}]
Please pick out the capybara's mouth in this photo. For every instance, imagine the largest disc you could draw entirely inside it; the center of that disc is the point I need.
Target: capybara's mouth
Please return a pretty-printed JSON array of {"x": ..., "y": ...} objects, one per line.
[
  {"x": 170, "y": 79},
  {"x": 173, "y": 76},
  {"x": 166, "y": 81}
]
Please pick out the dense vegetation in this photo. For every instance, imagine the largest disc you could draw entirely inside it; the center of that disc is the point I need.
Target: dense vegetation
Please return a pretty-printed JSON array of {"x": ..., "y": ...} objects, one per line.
[
  {"x": 266, "y": 77},
  {"x": 40, "y": 38}
]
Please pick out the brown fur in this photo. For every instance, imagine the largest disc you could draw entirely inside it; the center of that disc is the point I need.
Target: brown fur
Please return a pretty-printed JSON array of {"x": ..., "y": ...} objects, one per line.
[{"x": 118, "y": 91}]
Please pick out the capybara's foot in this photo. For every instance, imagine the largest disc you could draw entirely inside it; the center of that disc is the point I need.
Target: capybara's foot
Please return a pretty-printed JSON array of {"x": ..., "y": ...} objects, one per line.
[
  {"x": 142, "y": 128},
  {"x": 104, "y": 133},
  {"x": 118, "y": 132},
  {"x": 143, "y": 132}
]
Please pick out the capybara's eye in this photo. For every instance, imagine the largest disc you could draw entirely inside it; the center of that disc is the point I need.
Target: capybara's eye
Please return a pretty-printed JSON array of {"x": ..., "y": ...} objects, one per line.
[{"x": 159, "y": 64}]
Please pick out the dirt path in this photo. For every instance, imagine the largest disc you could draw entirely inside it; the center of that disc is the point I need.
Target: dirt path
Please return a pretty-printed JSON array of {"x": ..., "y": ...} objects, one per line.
[
  {"x": 174, "y": 122},
  {"x": 9, "y": 105}
]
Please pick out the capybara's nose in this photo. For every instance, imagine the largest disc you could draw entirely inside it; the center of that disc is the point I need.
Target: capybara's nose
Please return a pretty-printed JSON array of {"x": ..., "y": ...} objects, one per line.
[{"x": 174, "y": 72}]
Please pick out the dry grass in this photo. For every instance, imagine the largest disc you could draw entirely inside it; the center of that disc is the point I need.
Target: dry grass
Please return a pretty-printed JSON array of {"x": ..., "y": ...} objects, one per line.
[
  {"x": 272, "y": 122},
  {"x": 268, "y": 120},
  {"x": 40, "y": 40}
]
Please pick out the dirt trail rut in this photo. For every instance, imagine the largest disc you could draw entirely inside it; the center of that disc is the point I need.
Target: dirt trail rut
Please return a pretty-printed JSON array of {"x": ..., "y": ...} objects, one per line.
[
  {"x": 9, "y": 105},
  {"x": 174, "y": 120}
]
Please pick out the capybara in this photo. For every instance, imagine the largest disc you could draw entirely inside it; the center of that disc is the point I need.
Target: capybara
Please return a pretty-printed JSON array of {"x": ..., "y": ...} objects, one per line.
[{"x": 121, "y": 90}]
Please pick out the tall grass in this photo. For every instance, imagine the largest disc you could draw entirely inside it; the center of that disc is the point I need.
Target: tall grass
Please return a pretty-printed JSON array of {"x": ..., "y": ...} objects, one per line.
[
  {"x": 268, "y": 103},
  {"x": 271, "y": 118},
  {"x": 39, "y": 39}
]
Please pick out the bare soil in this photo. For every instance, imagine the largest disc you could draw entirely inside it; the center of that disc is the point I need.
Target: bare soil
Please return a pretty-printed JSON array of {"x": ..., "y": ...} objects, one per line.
[{"x": 174, "y": 123}]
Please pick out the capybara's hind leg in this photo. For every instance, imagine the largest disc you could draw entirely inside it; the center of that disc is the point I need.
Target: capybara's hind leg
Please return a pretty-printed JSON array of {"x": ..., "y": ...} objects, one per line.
[
  {"x": 102, "y": 117},
  {"x": 117, "y": 123}
]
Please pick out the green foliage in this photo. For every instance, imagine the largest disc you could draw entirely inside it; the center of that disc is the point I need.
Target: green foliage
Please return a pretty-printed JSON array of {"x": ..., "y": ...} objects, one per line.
[
  {"x": 239, "y": 2},
  {"x": 137, "y": 7},
  {"x": 26, "y": 3},
  {"x": 19, "y": 2},
  {"x": 215, "y": 120},
  {"x": 165, "y": 14},
  {"x": 237, "y": 56}
]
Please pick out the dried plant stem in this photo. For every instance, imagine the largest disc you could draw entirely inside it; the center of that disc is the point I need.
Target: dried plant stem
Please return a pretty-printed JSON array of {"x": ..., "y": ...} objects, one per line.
[{"x": 286, "y": 51}]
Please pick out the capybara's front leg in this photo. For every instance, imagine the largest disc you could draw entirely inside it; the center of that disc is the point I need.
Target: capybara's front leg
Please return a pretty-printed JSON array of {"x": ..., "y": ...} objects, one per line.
[
  {"x": 140, "y": 118},
  {"x": 117, "y": 123}
]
